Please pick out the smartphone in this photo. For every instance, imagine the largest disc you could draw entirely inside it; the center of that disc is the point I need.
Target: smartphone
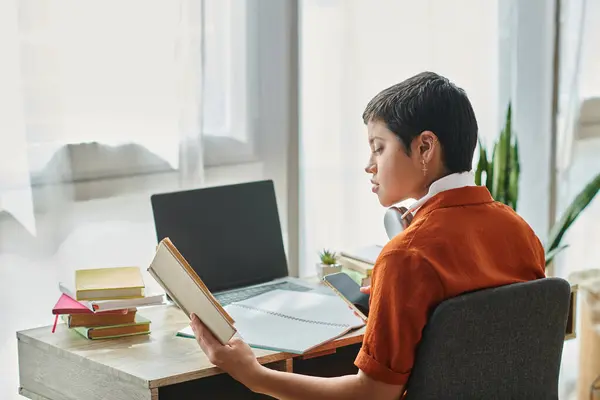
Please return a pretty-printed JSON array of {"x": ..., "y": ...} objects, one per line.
[{"x": 349, "y": 290}]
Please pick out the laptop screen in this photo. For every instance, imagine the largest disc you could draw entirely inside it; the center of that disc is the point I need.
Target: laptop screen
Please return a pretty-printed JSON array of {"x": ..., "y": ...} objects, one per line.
[{"x": 230, "y": 235}]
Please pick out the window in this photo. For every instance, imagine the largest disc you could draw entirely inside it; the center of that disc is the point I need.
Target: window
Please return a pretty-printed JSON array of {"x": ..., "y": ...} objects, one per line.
[{"x": 113, "y": 88}]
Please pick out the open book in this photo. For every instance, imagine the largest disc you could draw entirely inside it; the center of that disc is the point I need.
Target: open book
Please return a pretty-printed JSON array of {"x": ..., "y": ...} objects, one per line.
[
  {"x": 289, "y": 321},
  {"x": 184, "y": 286},
  {"x": 282, "y": 320}
]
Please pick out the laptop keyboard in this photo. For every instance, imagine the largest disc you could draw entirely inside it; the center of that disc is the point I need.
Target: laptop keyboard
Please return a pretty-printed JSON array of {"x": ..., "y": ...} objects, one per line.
[{"x": 246, "y": 293}]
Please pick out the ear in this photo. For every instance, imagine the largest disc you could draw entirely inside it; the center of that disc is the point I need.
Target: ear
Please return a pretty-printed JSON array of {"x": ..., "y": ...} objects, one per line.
[{"x": 427, "y": 144}]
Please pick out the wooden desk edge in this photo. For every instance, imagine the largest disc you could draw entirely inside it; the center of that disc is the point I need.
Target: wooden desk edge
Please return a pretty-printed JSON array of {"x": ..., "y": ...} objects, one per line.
[
  {"x": 31, "y": 395},
  {"x": 346, "y": 340},
  {"x": 350, "y": 338}
]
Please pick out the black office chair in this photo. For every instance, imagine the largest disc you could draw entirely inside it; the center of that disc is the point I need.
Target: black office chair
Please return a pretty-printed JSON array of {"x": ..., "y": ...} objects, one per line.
[{"x": 498, "y": 343}]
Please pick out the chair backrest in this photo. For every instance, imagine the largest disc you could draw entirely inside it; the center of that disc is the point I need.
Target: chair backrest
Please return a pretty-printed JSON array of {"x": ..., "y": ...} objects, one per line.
[{"x": 504, "y": 342}]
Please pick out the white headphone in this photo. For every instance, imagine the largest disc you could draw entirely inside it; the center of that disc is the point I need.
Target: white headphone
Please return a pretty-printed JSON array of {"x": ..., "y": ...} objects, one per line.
[{"x": 397, "y": 219}]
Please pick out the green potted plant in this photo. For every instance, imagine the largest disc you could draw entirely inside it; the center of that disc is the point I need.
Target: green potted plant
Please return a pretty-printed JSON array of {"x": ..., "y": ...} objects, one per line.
[
  {"x": 500, "y": 174},
  {"x": 328, "y": 263}
]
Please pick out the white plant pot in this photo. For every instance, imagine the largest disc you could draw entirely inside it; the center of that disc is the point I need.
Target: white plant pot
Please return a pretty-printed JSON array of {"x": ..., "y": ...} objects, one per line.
[{"x": 326, "y": 269}]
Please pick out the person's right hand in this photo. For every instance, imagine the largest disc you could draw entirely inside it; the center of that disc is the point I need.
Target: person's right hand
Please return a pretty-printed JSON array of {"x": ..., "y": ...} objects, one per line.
[{"x": 366, "y": 289}]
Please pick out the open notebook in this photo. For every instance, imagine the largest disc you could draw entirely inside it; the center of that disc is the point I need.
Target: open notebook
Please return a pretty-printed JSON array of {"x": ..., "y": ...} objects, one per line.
[{"x": 289, "y": 321}]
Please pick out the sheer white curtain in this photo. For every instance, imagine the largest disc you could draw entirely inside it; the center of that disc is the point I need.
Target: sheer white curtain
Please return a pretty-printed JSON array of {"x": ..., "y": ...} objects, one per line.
[
  {"x": 352, "y": 49},
  {"x": 101, "y": 106},
  {"x": 103, "y": 98},
  {"x": 574, "y": 29},
  {"x": 578, "y": 123}
]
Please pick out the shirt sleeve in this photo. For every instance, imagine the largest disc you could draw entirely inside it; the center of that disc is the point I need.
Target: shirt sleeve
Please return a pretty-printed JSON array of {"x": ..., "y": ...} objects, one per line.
[{"x": 404, "y": 289}]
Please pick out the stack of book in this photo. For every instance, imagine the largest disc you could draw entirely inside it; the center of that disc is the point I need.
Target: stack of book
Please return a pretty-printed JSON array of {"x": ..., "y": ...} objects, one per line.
[
  {"x": 358, "y": 263},
  {"x": 103, "y": 303}
]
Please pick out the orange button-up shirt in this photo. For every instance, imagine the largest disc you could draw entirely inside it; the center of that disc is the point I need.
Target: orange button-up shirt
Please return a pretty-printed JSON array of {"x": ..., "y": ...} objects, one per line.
[{"x": 459, "y": 241}]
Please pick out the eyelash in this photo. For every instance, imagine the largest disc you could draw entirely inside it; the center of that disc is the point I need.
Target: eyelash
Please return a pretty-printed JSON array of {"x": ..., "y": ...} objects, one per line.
[{"x": 377, "y": 150}]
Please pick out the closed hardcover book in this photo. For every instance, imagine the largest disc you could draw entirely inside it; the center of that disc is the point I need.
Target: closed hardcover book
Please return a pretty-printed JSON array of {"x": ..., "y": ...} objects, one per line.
[
  {"x": 361, "y": 267},
  {"x": 109, "y": 283},
  {"x": 141, "y": 326},
  {"x": 102, "y": 319}
]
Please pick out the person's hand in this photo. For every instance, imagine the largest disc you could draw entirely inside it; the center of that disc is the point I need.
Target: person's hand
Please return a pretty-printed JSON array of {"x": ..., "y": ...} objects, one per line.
[
  {"x": 236, "y": 357},
  {"x": 366, "y": 289}
]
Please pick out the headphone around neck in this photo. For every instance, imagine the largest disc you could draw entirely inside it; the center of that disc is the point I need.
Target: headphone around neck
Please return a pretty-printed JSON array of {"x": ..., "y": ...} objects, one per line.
[{"x": 396, "y": 220}]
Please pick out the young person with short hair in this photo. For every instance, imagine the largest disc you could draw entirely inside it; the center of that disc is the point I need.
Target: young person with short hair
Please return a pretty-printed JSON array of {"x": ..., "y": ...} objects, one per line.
[{"x": 422, "y": 133}]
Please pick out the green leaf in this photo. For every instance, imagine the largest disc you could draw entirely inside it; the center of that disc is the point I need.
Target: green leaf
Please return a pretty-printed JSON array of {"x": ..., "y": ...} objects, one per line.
[
  {"x": 482, "y": 164},
  {"x": 506, "y": 137},
  {"x": 581, "y": 201},
  {"x": 550, "y": 255},
  {"x": 489, "y": 180},
  {"x": 513, "y": 177},
  {"x": 500, "y": 154},
  {"x": 328, "y": 257},
  {"x": 502, "y": 169}
]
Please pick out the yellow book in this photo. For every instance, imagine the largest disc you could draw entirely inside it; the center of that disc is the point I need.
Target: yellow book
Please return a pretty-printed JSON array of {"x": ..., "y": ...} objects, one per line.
[{"x": 109, "y": 283}]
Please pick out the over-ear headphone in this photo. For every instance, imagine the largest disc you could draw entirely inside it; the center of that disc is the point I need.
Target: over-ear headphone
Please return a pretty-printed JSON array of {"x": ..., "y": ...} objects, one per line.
[{"x": 396, "y": 220}]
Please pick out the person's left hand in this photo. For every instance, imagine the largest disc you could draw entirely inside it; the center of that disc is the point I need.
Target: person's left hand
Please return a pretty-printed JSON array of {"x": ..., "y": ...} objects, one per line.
[{"x": 236, "y": 357}]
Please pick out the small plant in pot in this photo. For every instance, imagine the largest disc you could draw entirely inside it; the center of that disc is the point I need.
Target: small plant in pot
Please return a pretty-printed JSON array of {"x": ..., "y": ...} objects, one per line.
[{"x": 328, "y": 264}]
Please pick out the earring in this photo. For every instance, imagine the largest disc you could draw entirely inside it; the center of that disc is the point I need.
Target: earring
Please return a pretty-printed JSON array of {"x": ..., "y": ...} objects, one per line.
[{"x": 424, "y": 168}]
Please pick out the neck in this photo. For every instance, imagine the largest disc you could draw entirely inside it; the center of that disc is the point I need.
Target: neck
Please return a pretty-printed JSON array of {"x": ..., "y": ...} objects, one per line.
[
  {"x": 430, "y": 180},
  {"x": 439, "y": 185}
]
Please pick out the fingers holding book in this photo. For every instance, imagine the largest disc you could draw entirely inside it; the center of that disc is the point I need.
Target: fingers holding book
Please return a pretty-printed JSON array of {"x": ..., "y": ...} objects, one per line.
[{"x": 236, "y": 357}]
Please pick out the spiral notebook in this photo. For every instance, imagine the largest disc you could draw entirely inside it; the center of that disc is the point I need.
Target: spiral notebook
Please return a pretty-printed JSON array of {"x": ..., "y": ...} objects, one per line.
[{"x": 289, "y": 321}]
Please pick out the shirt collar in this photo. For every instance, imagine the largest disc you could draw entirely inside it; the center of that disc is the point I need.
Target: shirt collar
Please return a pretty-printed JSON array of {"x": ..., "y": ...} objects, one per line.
[{"x": 448, "y": 182}]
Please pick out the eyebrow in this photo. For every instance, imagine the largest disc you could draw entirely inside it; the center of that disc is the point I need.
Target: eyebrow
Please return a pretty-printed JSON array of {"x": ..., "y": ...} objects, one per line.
[{"x": 372, "y": 139}]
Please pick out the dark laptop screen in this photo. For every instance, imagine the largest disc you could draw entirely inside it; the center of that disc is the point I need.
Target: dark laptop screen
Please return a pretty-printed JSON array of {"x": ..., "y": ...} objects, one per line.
[{"x": 230, "y": 235}]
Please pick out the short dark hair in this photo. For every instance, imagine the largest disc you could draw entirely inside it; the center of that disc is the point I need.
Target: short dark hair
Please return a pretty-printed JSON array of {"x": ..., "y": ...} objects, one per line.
[{"x": 429, "y": 102}]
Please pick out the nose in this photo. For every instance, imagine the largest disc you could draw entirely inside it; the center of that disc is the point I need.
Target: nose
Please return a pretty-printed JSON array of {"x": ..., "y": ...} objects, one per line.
[{"x": 371, "y": 167}]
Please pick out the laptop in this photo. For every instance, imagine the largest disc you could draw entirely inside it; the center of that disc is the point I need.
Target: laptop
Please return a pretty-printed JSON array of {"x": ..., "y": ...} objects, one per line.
[{"x": 230, "y": 235}]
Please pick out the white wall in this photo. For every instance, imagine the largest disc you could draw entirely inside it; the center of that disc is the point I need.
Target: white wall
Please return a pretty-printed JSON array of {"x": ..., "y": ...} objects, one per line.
[{"x": 351, "y": 50}]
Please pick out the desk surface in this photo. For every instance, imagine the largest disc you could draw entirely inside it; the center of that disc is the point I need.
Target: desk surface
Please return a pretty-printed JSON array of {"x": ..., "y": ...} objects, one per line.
[{"x": 148, "y": 361}]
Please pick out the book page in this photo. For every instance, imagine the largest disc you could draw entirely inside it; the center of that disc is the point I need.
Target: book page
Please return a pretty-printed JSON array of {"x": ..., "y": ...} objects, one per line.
[{"x": 308, "y": 306}]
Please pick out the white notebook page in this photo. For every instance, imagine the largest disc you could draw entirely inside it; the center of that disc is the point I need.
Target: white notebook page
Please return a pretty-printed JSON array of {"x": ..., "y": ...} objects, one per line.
[
  {"x": 273, "y": 332},
  {"x": 290, "y": 321},
  {"x": 306, "y": 306}
]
